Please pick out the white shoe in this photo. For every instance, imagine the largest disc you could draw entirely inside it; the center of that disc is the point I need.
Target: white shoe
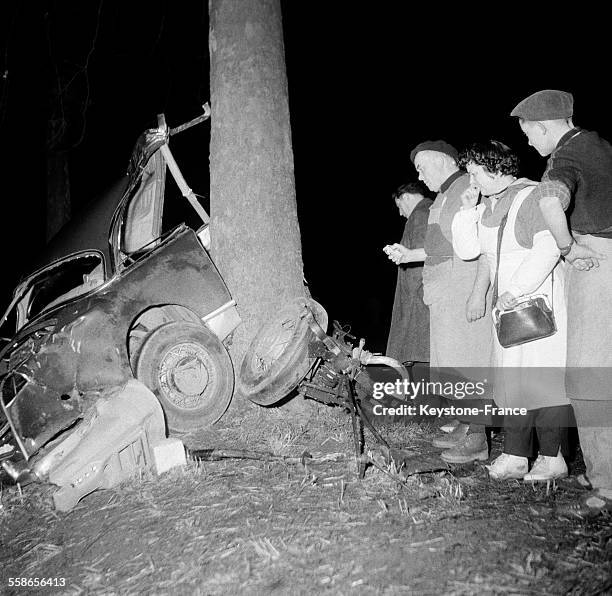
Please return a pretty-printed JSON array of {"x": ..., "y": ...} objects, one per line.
[
  {"x": 546, "y": 468},
  {"x": 508, "y": 466},
  {"x": 450, "y": 426}
]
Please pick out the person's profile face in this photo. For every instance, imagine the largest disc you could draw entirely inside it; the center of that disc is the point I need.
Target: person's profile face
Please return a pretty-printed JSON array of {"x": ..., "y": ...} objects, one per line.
[
  {"x": 406, "y": 203},
  {"x": 482, "y": 179},
  {"x": 536, "y": 136},
  {"x": 428, "y": 168}
]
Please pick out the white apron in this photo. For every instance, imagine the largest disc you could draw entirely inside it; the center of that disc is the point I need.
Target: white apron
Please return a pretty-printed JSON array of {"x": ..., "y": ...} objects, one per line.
[{"x": 531, "y": 375}]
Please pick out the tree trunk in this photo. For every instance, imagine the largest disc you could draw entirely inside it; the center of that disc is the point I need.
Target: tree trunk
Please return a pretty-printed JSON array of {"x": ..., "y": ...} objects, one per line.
[{"x": 254, "y": 227}]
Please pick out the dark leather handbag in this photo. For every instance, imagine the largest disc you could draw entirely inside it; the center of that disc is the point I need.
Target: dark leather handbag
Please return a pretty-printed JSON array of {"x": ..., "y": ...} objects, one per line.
[{"x": 532, "y": 318}]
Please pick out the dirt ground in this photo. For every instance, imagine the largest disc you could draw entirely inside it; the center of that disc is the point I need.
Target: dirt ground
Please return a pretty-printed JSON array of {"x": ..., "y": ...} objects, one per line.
[{"x": 239, "y": 526}]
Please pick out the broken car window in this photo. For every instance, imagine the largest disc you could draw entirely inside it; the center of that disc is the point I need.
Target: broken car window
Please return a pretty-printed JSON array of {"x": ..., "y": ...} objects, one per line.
[{"x": 61, "y": 281}]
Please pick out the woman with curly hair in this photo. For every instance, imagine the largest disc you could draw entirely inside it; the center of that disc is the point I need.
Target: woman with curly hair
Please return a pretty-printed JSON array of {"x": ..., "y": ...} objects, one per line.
[{"x": 529, "y": 375}]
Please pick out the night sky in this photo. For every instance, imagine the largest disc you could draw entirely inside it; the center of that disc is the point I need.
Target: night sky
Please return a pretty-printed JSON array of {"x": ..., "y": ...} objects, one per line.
[{"x": 366, "y": 84}]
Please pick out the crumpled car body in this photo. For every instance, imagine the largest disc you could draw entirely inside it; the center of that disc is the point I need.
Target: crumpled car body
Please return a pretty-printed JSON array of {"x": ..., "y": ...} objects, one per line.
[{"x": 145, "y": 305}]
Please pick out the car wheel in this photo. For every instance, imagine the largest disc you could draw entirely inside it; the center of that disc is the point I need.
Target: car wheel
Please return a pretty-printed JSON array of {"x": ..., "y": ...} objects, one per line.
[
  {"x": 151, "y": 319},
  {"x": 191, "y": 373},
  {"x": 277, "y": 358}
]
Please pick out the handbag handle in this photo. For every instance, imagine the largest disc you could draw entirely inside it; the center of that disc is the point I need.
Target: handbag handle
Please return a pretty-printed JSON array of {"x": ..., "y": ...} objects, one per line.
[{"x": 500, "y": 235}]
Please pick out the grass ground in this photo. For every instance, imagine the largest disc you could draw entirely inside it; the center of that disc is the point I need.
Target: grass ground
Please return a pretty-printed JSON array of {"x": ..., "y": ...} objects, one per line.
[{"x": 272, "y": 527}]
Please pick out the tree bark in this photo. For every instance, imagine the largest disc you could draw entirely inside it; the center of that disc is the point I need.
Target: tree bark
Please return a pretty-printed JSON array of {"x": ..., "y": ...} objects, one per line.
[{"x": 254, "y": 226}]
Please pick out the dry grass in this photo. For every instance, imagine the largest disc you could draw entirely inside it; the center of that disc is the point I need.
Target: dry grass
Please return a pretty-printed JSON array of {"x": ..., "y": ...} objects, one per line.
[{"x": 243, "y": 526}]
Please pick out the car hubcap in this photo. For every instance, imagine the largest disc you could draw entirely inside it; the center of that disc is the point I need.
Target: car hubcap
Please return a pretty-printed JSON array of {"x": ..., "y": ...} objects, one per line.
[{"x": 186, "y": 373}]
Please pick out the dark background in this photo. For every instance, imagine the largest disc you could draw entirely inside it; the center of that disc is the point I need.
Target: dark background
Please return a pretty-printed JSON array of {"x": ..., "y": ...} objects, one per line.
[{"x": 367, "y": 82}]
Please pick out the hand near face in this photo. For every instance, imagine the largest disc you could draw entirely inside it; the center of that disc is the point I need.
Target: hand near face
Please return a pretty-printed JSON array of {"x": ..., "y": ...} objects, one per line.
[
  {"x": 469, "y": 197},
  {"x": 506, "y": 301}
]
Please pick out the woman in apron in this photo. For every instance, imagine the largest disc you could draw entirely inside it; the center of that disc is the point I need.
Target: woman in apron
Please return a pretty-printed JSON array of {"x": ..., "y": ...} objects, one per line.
[{"x": 531, "y": 375}]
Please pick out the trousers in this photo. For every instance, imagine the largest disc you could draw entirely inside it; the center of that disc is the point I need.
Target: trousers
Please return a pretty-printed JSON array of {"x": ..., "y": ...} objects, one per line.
[{"x": 548, "y": 424}]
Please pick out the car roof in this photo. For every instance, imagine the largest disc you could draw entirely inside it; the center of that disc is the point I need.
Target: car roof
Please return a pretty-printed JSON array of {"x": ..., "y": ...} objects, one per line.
[{"x": 88, "y": 229}]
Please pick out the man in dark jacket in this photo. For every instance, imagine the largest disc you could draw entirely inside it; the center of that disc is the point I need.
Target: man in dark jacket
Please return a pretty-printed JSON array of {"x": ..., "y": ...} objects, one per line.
[{"x": 409, "y": 333}]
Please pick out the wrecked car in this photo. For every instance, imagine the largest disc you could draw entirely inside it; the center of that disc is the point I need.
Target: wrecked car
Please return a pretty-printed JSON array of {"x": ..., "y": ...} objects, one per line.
[
  {"x": 122, "y": 335},
  {"x": 141, "y": 304}
]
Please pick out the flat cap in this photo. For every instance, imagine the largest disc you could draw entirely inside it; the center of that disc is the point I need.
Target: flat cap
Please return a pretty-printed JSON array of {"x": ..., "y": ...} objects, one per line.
[
  {"x": 545, "y": 105},
  {"x": 439, "y": 146}
]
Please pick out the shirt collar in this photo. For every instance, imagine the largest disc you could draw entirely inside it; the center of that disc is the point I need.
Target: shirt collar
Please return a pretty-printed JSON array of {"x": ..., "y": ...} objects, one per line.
[
  {"x": 449, "y": 181},
  {"x": 570, "y": 134}
]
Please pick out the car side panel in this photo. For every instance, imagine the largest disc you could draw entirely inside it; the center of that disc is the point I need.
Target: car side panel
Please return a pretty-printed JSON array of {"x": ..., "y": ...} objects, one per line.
[
  {"x": 178, "y": 272},
  {"x": 86, "y": 351}
]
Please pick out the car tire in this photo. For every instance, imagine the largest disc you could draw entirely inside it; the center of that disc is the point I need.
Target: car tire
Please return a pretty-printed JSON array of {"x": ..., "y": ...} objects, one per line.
[
  {"x": 151, "y": 319},
  {"x": 277, "y": 357},
  {"x": 190, "y": 372}
]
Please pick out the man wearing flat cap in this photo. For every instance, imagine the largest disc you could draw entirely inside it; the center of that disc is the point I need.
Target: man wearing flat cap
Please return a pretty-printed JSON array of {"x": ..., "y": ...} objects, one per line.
[
  {"x": 455, "y": 291},
  {"x": 575, "y": 197}
]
